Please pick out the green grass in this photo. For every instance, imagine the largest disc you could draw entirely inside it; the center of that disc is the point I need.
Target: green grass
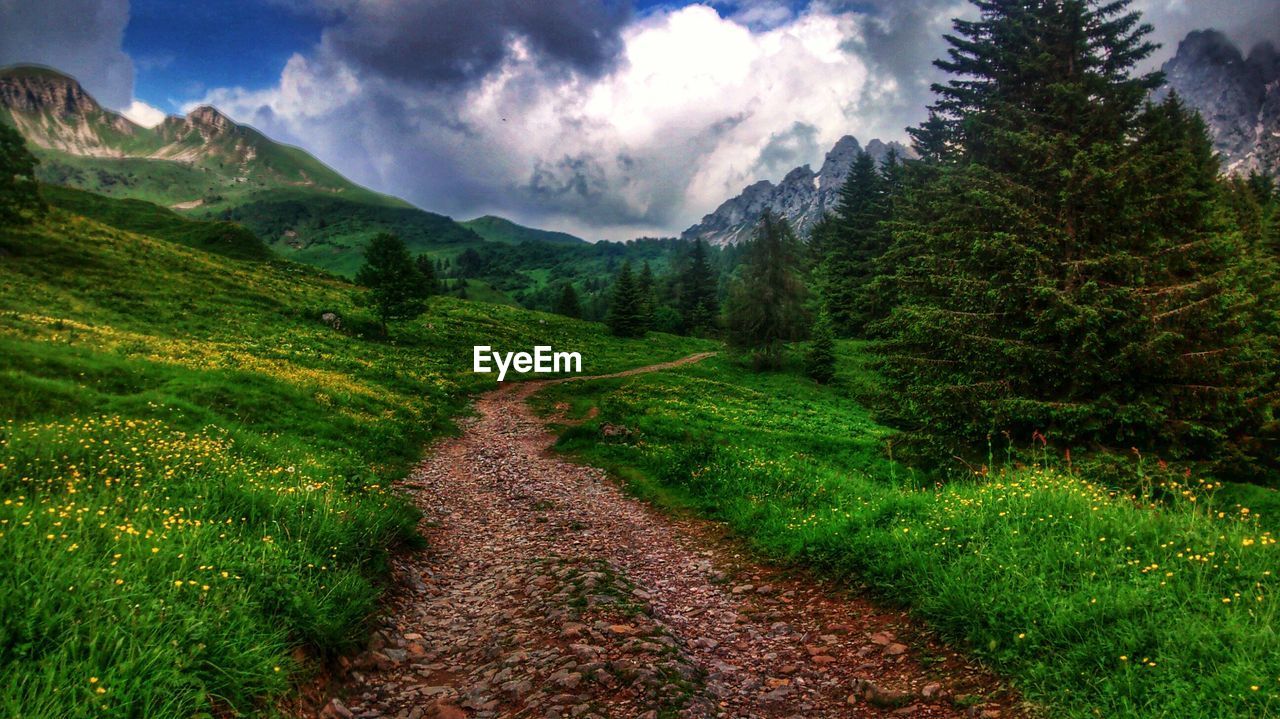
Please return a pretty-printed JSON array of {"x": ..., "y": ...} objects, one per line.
[
  {"x": 149, "y": 219},
  {"x": 194, "y": 469},
  {"x": 1094, "y": 603}
]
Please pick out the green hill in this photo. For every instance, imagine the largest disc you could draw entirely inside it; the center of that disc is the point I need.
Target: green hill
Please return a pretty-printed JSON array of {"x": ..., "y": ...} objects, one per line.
[
  {"x": 499, "y": 229},
  {"x": 207, "y": 166},
  {"x": 146, "y": 218},
  {"x": 194, "y": 468}
]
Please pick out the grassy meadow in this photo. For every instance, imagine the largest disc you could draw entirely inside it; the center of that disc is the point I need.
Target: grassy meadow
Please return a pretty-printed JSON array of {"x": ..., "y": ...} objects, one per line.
[
  {"x": 1095, "y": 601},
  {"x": 194, "y": 469}
]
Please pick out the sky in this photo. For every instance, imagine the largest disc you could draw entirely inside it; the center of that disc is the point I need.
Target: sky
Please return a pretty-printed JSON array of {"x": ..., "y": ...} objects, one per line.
[{"x": 610, "y": 119}]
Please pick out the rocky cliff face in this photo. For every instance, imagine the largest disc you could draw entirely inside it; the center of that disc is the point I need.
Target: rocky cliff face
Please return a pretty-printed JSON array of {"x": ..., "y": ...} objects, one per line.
[
  {"x": 1238, "y": 96},
  {"x": 53, "y": 111},
  {"x": 802, "y": 197}
]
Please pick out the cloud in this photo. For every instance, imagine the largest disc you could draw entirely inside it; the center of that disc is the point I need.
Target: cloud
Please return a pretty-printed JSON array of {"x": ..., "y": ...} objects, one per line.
[
  {"x": 577, "y": 114},
  {"x": 429, "y": 43},
  {"x": 143, "y": 114},
  {"x": 692, "y": 107},
  {"x": 80, "y": 37}
]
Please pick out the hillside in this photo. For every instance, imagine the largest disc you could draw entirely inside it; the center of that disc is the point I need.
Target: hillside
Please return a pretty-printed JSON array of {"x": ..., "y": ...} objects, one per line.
[
  {"x": 207, "y": 166},
  {"x": 195, "y": 467},
  {"x": 499, "y": 229}
]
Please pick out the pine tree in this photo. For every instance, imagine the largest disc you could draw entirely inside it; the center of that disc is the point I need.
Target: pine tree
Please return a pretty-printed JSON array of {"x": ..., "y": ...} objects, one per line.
[
  {"x": 820, "y": 361},
  {"x": 697, "y": 292},
  {"x": 397, "y": 290},
  {"x": 648, "y": 291},
  {"x": 568, "y": 305},
  {"x": 766, "y": 300},
  {"x": 427, "y": 269},
  {"x": 625, "y": 308},
  {"x": 1062, "y": 262},
  {"x": 19, "y": 195},
  {"x": 856, "y": 239}
]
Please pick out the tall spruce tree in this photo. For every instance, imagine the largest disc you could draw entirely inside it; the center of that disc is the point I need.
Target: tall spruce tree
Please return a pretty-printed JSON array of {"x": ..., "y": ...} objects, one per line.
[
  {"x": 1060, "y": 263},
  {"x": 766, "y": 300},
  {"x": 698, "y": 291},
  {"x": 820, "y": 360},
  {"x": 856, "y": 238},
  {"x": 568, "y": 304},
  {"x": 647, "y": 288},
  {"x": 427, "y": 269},
  {"x": 625, "y": 307}
]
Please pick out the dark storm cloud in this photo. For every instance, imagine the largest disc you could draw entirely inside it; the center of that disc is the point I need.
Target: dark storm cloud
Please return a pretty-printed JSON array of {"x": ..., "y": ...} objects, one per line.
[
  {"x": 79, "y": 37},
  {"x": 900, "y": 41},
  {"x": 445, "y": 43},
  {"x": 788, "y": 149}
]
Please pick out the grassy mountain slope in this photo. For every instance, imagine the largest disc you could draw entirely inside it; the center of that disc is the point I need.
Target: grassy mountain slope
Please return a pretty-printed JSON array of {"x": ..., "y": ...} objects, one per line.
[
  {"x": 224, "y": 238},
  {"x": 330, "y": 232},
  {"x": 194, "y": 468},
  {"x": 500, "y": 229},
  {"x": 1098, "y": 603},
  {"x": 208, "y": 167}
]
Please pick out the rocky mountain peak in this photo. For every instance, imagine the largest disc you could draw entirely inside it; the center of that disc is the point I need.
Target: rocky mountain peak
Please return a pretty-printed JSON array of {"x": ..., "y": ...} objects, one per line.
[
  {"x": 208, "y": 117},
  {"x": 1238, "y": 97},
  {"x": 1265, "y": 60},
  {"x": 33, "y": 89},
  {"x": 835, "y": 166},
  {"x": 801, "y": 175},
  {"x": 802, "y": 197}
]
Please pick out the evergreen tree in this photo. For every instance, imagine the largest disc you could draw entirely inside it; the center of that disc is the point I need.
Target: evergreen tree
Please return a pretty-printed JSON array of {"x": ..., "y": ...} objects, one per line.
[
  {"x": 469, "y": 263},
  {"x": 568, "y": 305},
  {"x": 427, "y": 269},
  {"x": 1262, "y": 186},
  {"x": 648, "y": 291},
  {"x": 625, "y": 307},
  {"x": 697, "y": 291},
  {"x": 766, "y": 300},
  {"x": 820, "y": 361},
  {"x": 19, "y": 195},
  {"x": 856, "y": 239},
  {"x": 397, "y": 290},
  {"x": 1061, "y": 261}
]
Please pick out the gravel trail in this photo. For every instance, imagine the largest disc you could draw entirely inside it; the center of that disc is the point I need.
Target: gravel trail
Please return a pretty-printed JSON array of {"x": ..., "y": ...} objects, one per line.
[{"x": 546, "y": 591}]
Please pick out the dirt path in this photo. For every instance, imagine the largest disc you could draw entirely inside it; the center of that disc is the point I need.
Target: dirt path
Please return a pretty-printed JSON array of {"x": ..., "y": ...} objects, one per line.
[{"x": 546, "y": 591}]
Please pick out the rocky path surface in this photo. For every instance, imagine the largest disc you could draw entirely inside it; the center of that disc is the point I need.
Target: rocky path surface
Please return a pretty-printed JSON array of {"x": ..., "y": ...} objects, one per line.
[{"x": 547, "y": 592}]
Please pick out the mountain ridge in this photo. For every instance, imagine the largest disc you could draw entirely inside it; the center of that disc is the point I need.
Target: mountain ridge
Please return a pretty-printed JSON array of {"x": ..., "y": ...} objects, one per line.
[
  {"x": 802, "y": 197},
  {"x": 1238, "y": 96},
  {"x": 499, "y": 229}
]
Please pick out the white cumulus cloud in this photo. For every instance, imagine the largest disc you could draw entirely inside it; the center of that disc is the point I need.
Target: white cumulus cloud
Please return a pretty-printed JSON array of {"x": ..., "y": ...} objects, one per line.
[{"x": 143, "y": 114}]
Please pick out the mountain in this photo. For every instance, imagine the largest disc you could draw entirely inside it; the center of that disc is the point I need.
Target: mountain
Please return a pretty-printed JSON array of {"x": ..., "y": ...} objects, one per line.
[
  {"x": 1238, "y": 96},
  {"x": 500, "y": 229},
  {"x": 206, "y": 166},
  {"x": 802, "y": 197},
  {"x": 55, "y": 114}
]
